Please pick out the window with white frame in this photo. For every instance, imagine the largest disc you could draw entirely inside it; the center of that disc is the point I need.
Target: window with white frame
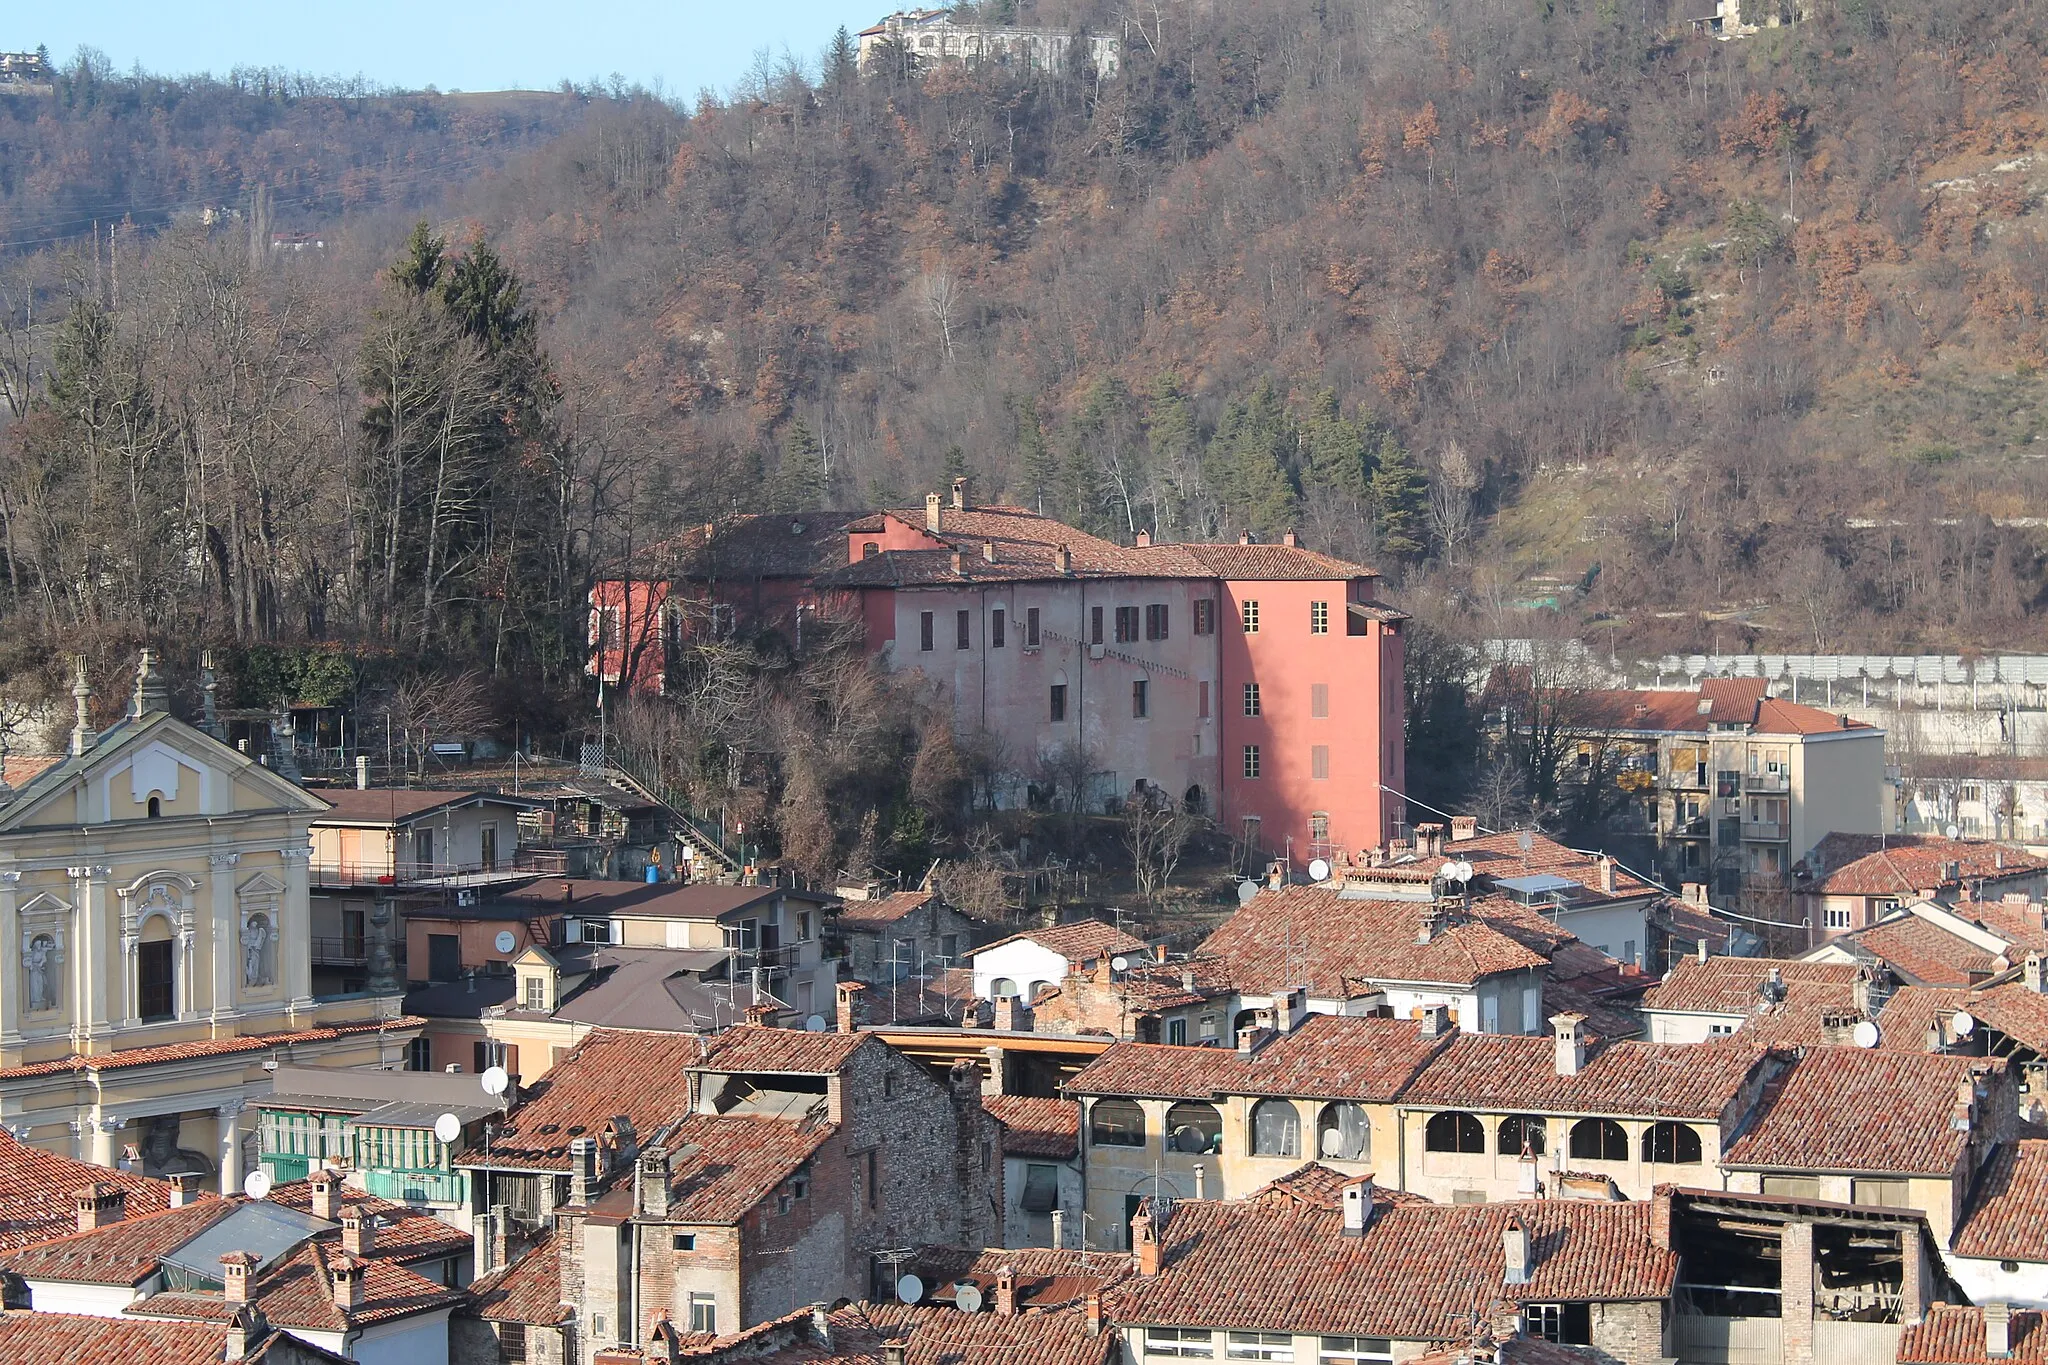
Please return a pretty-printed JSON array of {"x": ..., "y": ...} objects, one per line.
[
  {"x": 1187, "y": 1343},
  {"x": 703, "y": 1313},
  {"x": 1356, "y": 1350},
  {"x": 1838, "y": 916},
  {"x": 1273, "y": 1346}
]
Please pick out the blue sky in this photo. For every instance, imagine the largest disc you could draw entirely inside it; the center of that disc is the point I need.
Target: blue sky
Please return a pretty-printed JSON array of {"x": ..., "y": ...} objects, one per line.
[{"x": 452, "y": 44}]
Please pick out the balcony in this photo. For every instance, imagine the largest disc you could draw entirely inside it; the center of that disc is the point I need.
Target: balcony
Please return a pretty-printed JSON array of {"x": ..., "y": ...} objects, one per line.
[
  {"x": 1688, "y": 779},
  {"x": 523, "y": 865},
  {"x": 1699, "y": 827},
  {"x": 343, "y": 950},
  {"x": 1767, "y": 782},
  {"x": 1772, "y": 830}
]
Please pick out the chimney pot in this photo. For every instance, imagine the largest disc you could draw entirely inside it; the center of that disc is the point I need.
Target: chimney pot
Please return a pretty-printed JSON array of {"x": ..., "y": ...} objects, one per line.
[
  {"x": 1244, "y": 537},
  {"x": 100, "y": 1205},
  {"x": 960, "y": 493},
  {"x": 892, "y": 1353},
  {"x": 184, "y": 1188},
  {"x": 1357, "y": 1206},
  {"x": 851, "y": 1005},
  {"x": 1607, "y": 874},
  {"x": 1059, "y": 1227},
  {"x": 1062, "y": 559},
  {"x": 1144, "y": 538},
  {"x": 821, "y": 1326},
  {"x": 1435, "y": 1020},
  {"x": 1201, "y": 1181},
  {"x": 346, "y": 1274},
  {"x": 2032, "y": 973},
  {"x": 931, "y": 512},
  {"x": 246, "y": 1330},
  {"x": 1514, "y": 1240},
  {"x": 1094, "y": 1311},
  {"x": 1006, "y": 1292},
  {"x": 326, "y": 1187},
  {"x": 1288, "y": 539},
  {"x": 235, "y": 1269},
  {"x": 1571, "y": 1042},
  {"x": 1145, "y": 1240},
  {"x": 1998, "y": 1331},
  {"x": 358, "y": 1230}
]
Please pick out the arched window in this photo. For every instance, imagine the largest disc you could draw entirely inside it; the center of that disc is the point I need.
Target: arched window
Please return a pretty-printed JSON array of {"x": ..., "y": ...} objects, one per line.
[
  {"x": 1599, "y": 1140},
  {"x": 1451, "y": 1131},
  {"x": 1032, "y": 989},
  {"x": 1675, "y": 1144},
  {"x": 1193, "y": 799},
  {"x": 1344, "y": 1132},
  {"x": 1245, "y": 1019},
  {"x": 1276, "y": 1129},
  {"x": 1001, "y": 987},
  {"x": 1518, "y": 1131},
  {"x": 155, "y": 971},
  {"x": 156, "y": 808},
  {"x": 1116, "y": 1123},
  {"x": 1194, "y": 1126}
]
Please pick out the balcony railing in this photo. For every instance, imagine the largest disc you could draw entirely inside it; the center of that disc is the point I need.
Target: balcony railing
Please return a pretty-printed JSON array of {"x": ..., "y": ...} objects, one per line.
[
  {"x": 330, "y": 950},
  {"x": 1687, "y": 779},
  {"x": 526, "y": 862},
  {"x": 1767, "y": 782},
  {"x": 1764, "y": 829},
  {"x": 1698, "y": 827}
]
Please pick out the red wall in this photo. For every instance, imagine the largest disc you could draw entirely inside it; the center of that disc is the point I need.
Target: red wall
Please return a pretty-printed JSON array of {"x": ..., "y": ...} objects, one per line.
[{"x": 637, "y": 659}]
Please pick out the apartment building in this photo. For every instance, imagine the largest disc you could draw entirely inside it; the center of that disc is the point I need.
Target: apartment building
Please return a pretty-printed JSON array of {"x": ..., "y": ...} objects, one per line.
[
  {"x": 1743, "y": 782},
  {"x": 1849, "y": 882},
  {"x": 1259, "y": 683}
]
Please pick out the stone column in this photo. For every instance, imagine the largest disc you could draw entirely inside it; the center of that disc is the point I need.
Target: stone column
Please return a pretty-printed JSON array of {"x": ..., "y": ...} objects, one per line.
[
  {"x": 10, "y": 937},
  {"x": 92, "y": 958},
  {"x": 1795, "y": 1269},
  {"x": 227, "y": 937},
  {"x": 230, "y": 1116},
  {"x": 295, "y": 938},
  {"x": 106, "y": 1128}
]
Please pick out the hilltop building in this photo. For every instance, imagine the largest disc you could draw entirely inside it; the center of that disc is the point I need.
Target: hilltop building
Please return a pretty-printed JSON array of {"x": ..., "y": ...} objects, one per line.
[{"x": 941, "y": 35}]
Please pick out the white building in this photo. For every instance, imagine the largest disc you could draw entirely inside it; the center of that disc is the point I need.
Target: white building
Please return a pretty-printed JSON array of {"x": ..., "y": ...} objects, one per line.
[
  {"x": 935, "y": 35},
  {"x": 1024, "y": 964}
]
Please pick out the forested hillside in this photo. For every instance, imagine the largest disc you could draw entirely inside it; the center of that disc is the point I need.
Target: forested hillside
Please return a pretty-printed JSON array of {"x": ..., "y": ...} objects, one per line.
[{"x": 1736, "y": 340}]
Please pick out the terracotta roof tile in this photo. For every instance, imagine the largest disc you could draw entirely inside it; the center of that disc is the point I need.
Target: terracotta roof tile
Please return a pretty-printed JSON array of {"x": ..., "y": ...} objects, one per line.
[
  {"x": 1327, "y": 1056},
  {"x": 1037, "y": 1126},
  {"x": 1955, "y": 1336},
  {"x": 1730, "y": 701},
  {"x": 296, "y": 1291},
  {"x": 1729, "y": 985},
  {"x": 1854, "y": 1109},
  {"x": 1333, "y": 944},
  {"x": 1273, "y": 1264},
  {"x": 36, "y": 1189},
  {"x": 610, "y": 1072},
  {"x": 1083, "y": 940},
  {"x": 1906, "y": 864},
  {"x": 1515, "y": 1073},
  {"x": 1046, "y": 1278},
  {"x": 1497, "y": 856},
  {"x": 724, "y": 1166},
  {"x": 33, "y": 1338},
  {"x": 946, "y": 1336},
  {"x": 392, "y": 805},
  {"x": 219, "y": 1047},
  {"x": 1268, "y": 562},
  {"x": 2003, "y": 1220},
  {"x": 529, "y": 1290},
  {"x": 119, "y": 1253},
  {"x": 402, "y": 1234},
  {"x": 885, "y": 910},
  {"x": 1923, "y": 952},
  {"x": 2009, "y": 1007},
  {"x": 2018, "y": 922},
  {"x": 752, "y": 1048}
]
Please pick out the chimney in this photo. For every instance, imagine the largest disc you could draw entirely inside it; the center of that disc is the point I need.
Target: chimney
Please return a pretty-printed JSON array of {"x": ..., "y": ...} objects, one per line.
[
  {"x": 481, "y": 1242},
  {"x": 652, "y": 1191},
  {"x": 1700, "y": 949},
  {"x": 1464, "y": 827},
  {"x": 184, "y": 1188},
  {"x": 100, "y": 1205},
  {"x": 1006, "y": 1292},
  {"x": 1248, "y": 1040},
  {"x": 1571, "y": 1042},
  {"x": 1288, "y": 539},
  {"x": 1144, "y": 538},
  {"x": 959, "y": 563},
  {"x": 1660, "y": 1220},
  {"x": 1059, "y": 1228},
  {"x": 1998, "y": 1331},
  {"x": 1201, "y": 1180},
  {"x": 1011, "y": 1016},
  {"x": 821, "y": 1327},
  {"x": 1062, "y": 560},
  {"x": 235, "y": 1269},
  {"x": 1145, "y": 1240},
  {"x": 1426, "y": 927},
  {"x": 931, "y": 513},
  {"x": 82, "y": 734},
  {"x": 960, "y": 493},
  {"x": 246, "y": 1331},
  {"x": 1357, "y": 1206},
  {"x": 1514, "y": 1245},
  {"x": 760, "y": 1016},
  {"x": 326, "y": 1187},
  {"x": 501, "y": 1234},
  {"x": 358, "y": 1230},
  {"x": 851, "y": 1006},
  {"x": 362, "y": 772},
  {"x": 2030, "y": 972},
  {"x": 345, "y": 1273},
  {"x": 892, "y": 1353},
  {"x": 1094, "y": 1311},
  {"x": 583, "y": 1171},
  {"x": 988, "y": 551},
  {"x": 1244, "y": 537},
  {"x": 1435, "y": 1020},
  {"x": 1606, "y": 874}
]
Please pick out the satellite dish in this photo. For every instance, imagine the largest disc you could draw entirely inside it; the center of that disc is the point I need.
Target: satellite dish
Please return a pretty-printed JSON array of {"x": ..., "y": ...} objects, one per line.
[
  {"x": 1319, "y": 869},
  {"x": 1245, "y": 891},
  {"x": 447, "y": 1128},
  {"x": 1964, "y": 1023},
  {"x": 910, "y": 1289},
  {"x": 1449, "y": 872},
  {"x": 257, "y": 1185},
  {"x": 505, "y": 941},
  {"x": 1121, "y": 964},
  {"x": 1525, "y": 841},
  {"x": 1464, "y": 870},
  {"x": 967, "y": 1298},
  {"x": 815, "y": 1024},
  {"x": 1864, "y": 1034},
  {"x": 1333, "y": 1142},
  {"x": 1953, "y": 831},
  {"x": 497, "y": 1080}
]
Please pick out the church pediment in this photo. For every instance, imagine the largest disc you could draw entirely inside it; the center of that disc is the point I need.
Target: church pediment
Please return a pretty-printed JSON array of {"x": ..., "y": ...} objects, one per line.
[{"x": 260, "y": 886}]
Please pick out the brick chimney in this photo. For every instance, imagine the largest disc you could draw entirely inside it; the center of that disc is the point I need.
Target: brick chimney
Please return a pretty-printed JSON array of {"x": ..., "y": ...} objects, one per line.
[
  {"x": 1464, "y": 827},
  {"x": 1288, "y": 539},
  {"x": 851, "y": 1006},
  {"x": 1244, "y": 537},
  {"x": 235, "y": 1269},
  {"x": 246, "y": 1331},
  {"x": 358, "y": 1230},
  {"x": 1514, "y": 1246},
  {"x": 1006, "y": 1292},
  {"x": 959, "y": 563},
  {"x": 184, "y": 1188},
  {"x": 326, "y": 1187},
  {"x": 1011, "y": 1015},
  {"x": 761, "y": 1016},
  {"x": 100, "y": 1205},
  {"x": 931, "y": 513},
  {"x": 1606, "y": 874},
  {"x": 651, "y": 1189},
  {"x": 1094, "y": 1311},
  {"x": 345, "y": 1276},
  {"x": 1660, "y": 1219},
  {"x": 1145, "y": 1240},
  {"x": 1144, "y": 538},
  {"x": 1062, "y": 560},
  {"x": 1998, "y": 1331},
  {"x": 960, "y": 493},
  {"x": 1571, "y": 1042},
  {"x": 1357, "y": 1199}
]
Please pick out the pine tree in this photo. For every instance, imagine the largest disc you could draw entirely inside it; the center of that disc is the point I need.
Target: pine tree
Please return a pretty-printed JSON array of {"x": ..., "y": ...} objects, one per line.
[
  {"x": 1175, "y": 441},
  {"x": 1248, "y": 463},
  {"x": 842, "y": 61},
  {"x": 418, "y": 268},
  {"x": 1035, "y": 462},
  {"x": 801, "y": 480},
  {"x": 1400, "y": 497},
  {"x": 1333, "y": 451}
]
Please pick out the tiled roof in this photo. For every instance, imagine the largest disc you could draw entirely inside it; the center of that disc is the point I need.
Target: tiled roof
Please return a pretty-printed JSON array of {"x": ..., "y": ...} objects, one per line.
[
  {"x": 1904, "y": 864},
  {"x": 724, "y": 1166},
  {"x": 36, "y": 1189},
  {"x": 218, "y": 1047},
  {"x": 752, "y": 545},
  {"x": 1046, "y": 1278},
  {"x": 1417, "y": 1274},
  {"x": 2009, "y": 1007},
  {"x": 529, "y": 1290},
  {"x": 1812, "y": 1013},
  {"x": 1310, "y": 935},
  {"x": 2003, "y": 1220},
  {"x": 394, "y": 805},
  {"x": 33, "y": 1338},
  {"x": 610, "y": 1072},
  {"x": 119, "y": 1253},
  {"x": 752, "y": 1048},
  {"x": 1856, "y": 1109},
  {"x": 1604, "y": 1023},
  {"x": 402, "y": 1234},
  {"x": 651, "y": 900},
  {"x": 1728, "y": 985},
  {"x": 1923, "y": 952},
  {"x": 1268, "y": 562},
  {"x": 1317, "y": 1186},
  {"x": 1730, "y": 701},
  {"x": 1952, "y": 1335},
  {"x": 296, "y": 1291},
  {"x": 939, "y": 997},
  {"x": 1037, "y": 1126},
  {"x": 2019, "y": 922},
  {"x": 946, "y": 1336},
  {"x": 1083, "y": 940},
  {"x": 1500, "y": 855},
  {"x": 884, "y": 910},
  {"x": 1327, "y": 1056},
  {"x": 18, "y": 770},
  {"x": 1514, "y": 1073}
]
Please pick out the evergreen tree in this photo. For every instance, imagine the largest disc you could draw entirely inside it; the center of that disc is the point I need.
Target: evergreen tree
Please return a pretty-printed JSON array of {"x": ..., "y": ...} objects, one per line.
[
  {"x": 1174, "y": 441},
  {"x": 418, "y": 268},
  {"x": 1333, "y": 460},
  {"x": 1400, "y": 498},
  {"x": 1035, "y": 462},
  {"x": 800, "y": 482},
  {"x": 1248, "y": 464},
  {"x": 956, "y": 465},
  {"x": 842, "y": 61}
]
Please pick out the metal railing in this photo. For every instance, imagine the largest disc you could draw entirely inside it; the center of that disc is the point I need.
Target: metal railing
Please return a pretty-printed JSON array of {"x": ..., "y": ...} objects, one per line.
[
  {"x": 524, "y": 862},
  {"x": 1688, "y": 779},
  {"x": 1767, "y": 782},
  {"x": 1764, "y": 829},
  {"x": 1695, "y": 828},
  {"x": 343, "y": 950}
]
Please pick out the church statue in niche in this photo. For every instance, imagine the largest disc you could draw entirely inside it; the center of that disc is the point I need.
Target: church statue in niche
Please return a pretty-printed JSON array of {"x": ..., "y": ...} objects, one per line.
[
  {"x": 41, "y": 958},
  {"x": 163, "y": 1157},
  {"x": 259, "y": 951}
]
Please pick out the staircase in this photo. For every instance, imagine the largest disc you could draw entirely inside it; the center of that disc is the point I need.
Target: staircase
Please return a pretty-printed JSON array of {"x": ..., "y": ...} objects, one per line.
[{"x": 699, "y": 833}]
